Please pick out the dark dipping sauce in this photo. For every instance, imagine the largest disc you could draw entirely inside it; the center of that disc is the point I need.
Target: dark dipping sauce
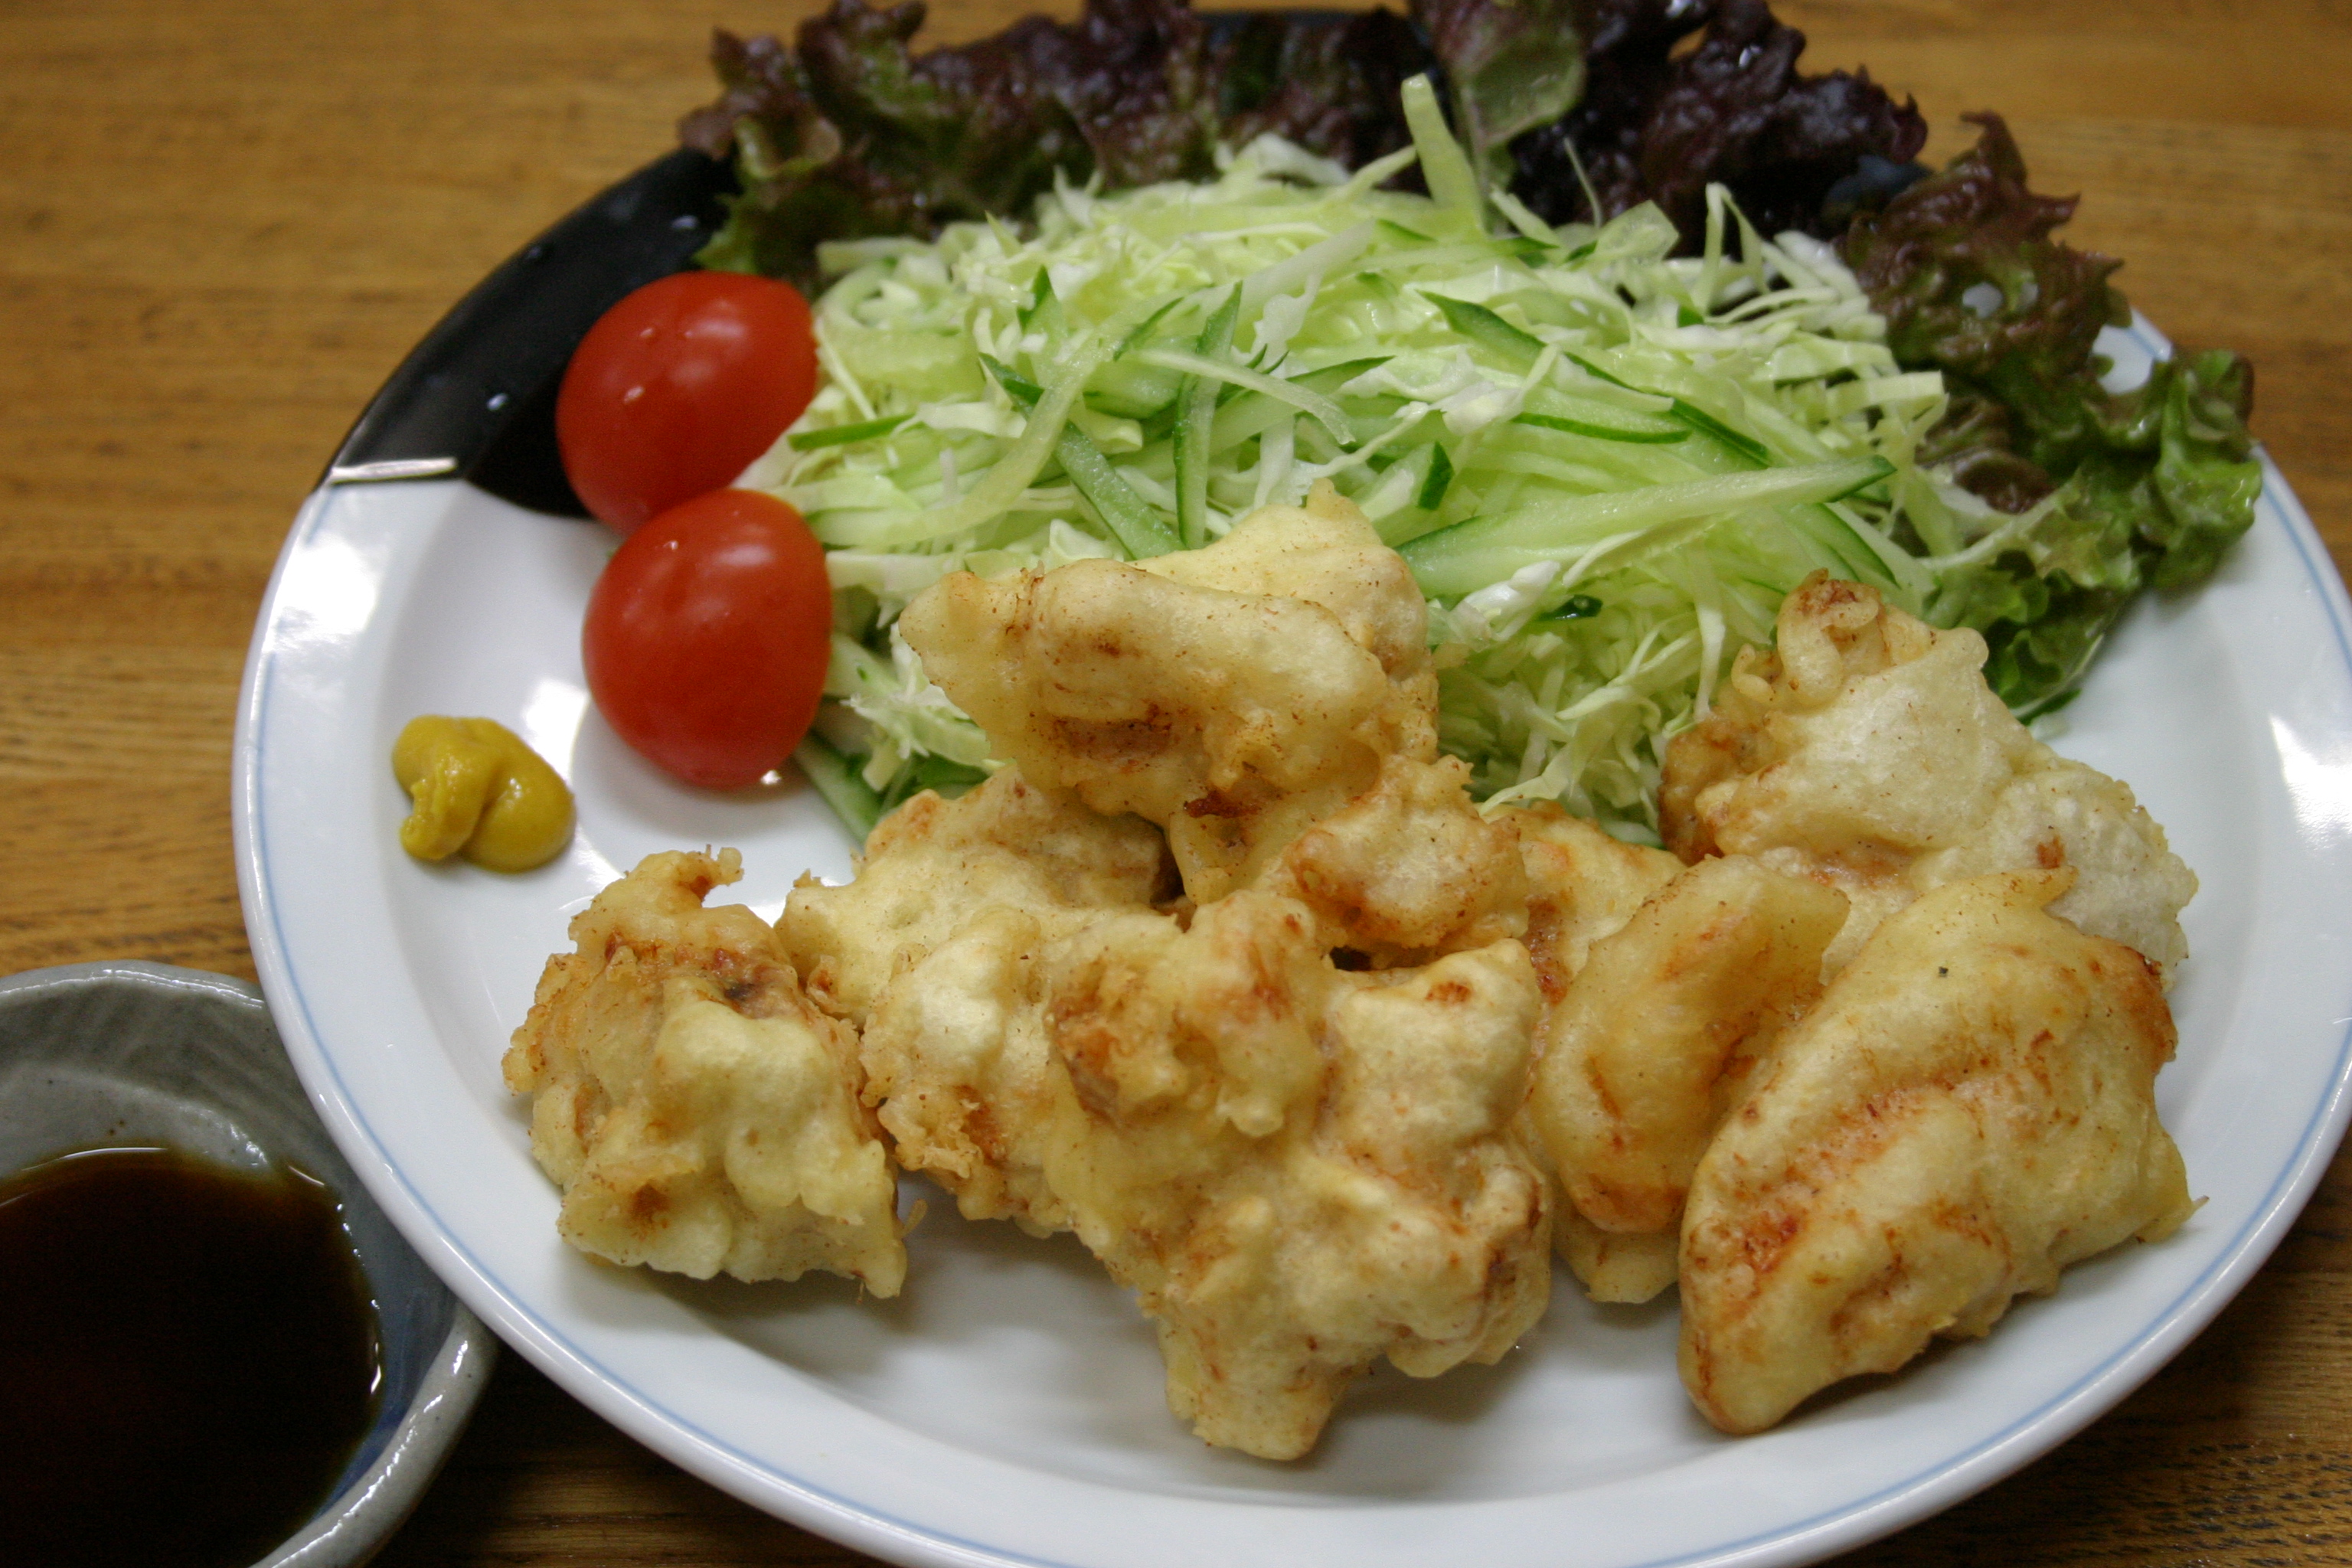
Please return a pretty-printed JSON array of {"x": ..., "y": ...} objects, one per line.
[{"x": 188, "y": 1360}]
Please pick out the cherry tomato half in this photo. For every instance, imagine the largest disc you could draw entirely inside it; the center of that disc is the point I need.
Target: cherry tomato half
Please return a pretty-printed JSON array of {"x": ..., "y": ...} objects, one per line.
[
  {"x": 708, "y": 635},
  {"x": 676, "y": 388}
]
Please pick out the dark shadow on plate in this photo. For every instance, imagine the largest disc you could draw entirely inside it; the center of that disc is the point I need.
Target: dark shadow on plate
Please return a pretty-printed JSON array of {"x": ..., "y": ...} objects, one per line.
[
  {"x": 677, "y": 815},
  {"x": 1460, "y": 1397},
  {"x": 989, "y": 1247},
  {"x": 726, "y": 1301},
  {"x": 1829, "y": 1402},
  {"x": 1464, "y": 1395},
  {"x": 1619, "y": 1315}
]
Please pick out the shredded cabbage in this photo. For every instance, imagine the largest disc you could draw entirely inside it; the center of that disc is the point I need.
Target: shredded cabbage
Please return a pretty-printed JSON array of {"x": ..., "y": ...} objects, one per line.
[{"x": 1606, "y": 466}]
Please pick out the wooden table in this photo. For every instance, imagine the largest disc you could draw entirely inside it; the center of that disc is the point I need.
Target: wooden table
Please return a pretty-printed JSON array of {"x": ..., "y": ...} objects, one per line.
[{"x": 221, "y": 225}]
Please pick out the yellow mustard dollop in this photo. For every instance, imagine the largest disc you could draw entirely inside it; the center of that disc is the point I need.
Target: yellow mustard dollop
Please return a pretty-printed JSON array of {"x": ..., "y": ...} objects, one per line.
[{"x": 480, "y": 792}]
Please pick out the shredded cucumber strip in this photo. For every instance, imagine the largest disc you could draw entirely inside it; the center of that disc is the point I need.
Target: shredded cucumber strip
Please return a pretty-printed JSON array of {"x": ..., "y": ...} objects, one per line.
[
  {"x": 1196, "y": 412},
  {"x": 1130, "y": 518},
  {"x": 855, "y": 802},
  {"x": 1606, "y": 465},
  {"x": 1470, "y": 555},
  {"x": 1325, "y": 412}
]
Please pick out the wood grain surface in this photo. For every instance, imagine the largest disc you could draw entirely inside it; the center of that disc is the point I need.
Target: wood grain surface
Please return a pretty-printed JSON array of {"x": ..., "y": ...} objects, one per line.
[{"x": 222, "y": 225}]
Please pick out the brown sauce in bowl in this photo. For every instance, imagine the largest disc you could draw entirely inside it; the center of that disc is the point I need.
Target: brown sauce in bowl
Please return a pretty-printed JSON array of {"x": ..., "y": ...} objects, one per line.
[{"x": 188, "y": 1360}]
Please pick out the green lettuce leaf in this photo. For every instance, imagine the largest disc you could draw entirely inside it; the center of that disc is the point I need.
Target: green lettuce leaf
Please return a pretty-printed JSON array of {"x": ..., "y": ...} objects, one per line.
[
  {"x": 1511, "y": 65},
  {"x": 2096, "y": 495}
]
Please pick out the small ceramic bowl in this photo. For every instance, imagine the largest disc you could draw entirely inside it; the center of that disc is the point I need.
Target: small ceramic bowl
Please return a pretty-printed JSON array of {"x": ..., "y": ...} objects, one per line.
[{"x": 97, "y": 1054}]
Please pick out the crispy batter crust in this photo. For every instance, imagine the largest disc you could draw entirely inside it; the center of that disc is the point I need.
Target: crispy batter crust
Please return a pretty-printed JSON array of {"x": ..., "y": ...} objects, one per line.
[
  {"x": 1970, "y": 1108},
  {"x": 1867, "y": 752},
  {"x": 699, "y": 1113}
]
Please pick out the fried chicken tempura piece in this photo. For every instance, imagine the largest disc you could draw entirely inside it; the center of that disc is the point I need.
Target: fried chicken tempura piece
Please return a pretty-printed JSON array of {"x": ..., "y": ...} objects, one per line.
[
  {"x": 1328, "y": 553},
  {"x": 1408, "y": 870},
  {"x": 964, "y": 894},
  {"x": 932, "y": 864},
  {"x": 1658, "y": 1032},
  {"x": 957, "y": 1055},
  {"x": 699, "y": 1112},
  {"x": 1969, "y": 1109},
  {"x": 1298, "y": 1171},
  {"x": 1867, "y": 752},
  {"x": 1230, "y": 719},
  {"x": 1626, "y": 1268},
  {"x": 1582, "y": 883}
]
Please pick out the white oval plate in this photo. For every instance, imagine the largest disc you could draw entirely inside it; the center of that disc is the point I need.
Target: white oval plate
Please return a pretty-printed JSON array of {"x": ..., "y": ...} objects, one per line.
[{"x": 1007, "y": 1408}]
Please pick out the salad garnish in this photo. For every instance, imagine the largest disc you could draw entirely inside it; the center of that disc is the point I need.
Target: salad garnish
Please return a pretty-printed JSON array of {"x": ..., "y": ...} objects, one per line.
[
  {"x": 2104, "y": 492},
  {"x": 1608, "y": 448}
]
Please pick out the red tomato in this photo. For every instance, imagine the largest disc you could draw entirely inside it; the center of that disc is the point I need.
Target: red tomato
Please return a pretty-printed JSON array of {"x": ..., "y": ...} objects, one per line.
[
  {"x": 708, "y": 635},
  {"x": 677, "y": 387}
]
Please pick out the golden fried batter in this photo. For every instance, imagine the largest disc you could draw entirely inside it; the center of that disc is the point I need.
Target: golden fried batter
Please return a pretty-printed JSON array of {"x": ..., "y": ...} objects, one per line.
[
  {"x": 1583, "y": 884},
  {"x": 1232, "y": 719},
  {"x": 699, "y": 1113},
  {"x": 1661, "y": 1027},
  {"x": 1970, "y": 1108},
  {"x": 1297, "y": 1170},
  {"x": 932, "y": 864},
  {"x": 951, "y": 901},
  {"x": 1407, "y": 869},
  {"x": 957, "y": 1057},
  {"x": 1867, "y": 752},
  {"x": 1328, "y": 553},
  {"x": 1624, "y": 1267}
]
